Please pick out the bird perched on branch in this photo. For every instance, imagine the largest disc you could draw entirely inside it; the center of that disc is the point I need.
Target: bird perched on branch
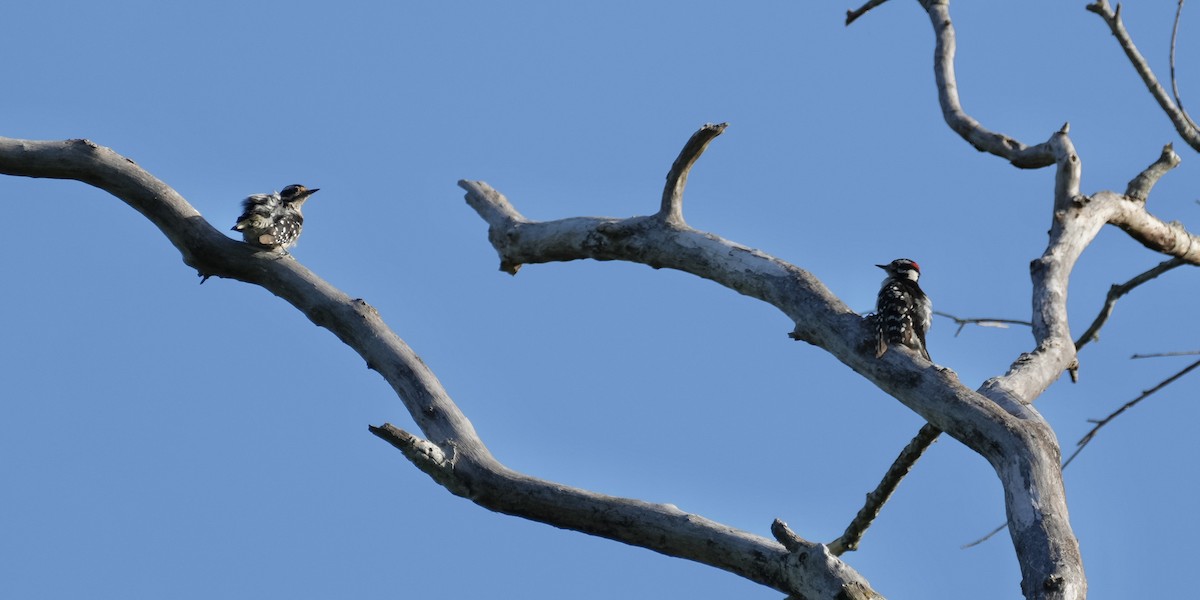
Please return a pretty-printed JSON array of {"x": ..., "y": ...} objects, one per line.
[
  {"x": 903, "y": 313},
  {"x": 274, "y": 220}
]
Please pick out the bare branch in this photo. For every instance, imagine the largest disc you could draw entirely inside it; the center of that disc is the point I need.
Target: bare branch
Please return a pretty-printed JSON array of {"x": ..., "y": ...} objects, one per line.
[
  {"x": 1139, "y": 187},
  {"x": 986, "y": 537},
  {"x": 452, "y": 452},
  {"x": 790, "y": 540},
  {"x": 1174, "y": 82},
  {"x": 1116, "y": 291},
  {"x": 849, "y": 540},
  {"x": 1020, "y": 155},
  {"x": 1162, "y": 354},
  {"x": 1085, "y": 440},
  {"x": 672, "y": 201},
  {"x": 1172, "y": 239},
  {"x": 1182, "y": 123},
  {"x": 853, "y": 15},
  {"x": 962, "y": 322},
  {"x": 1015, "y": 440},
  {"x": 1072, "y": 230}
]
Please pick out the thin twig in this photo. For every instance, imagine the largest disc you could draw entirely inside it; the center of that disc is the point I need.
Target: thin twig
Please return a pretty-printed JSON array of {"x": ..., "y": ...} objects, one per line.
[
  {"x": 1116, "y": 291},
  {"x": 1161, "y": 354},
  {"x": 985, "y": 538},
  {"x": 1174, "y": 83},
  {"x": 1187, "y": 130},
  {"x": 877, "y": 498},
  {"x": 982, "y": 321},
  {"x": 1083, "y": 442},
  {"x": 853, "y": 15}
]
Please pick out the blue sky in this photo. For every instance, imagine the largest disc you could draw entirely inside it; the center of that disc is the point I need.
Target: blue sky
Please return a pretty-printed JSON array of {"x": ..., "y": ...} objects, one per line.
[{"x": 165, "y": 439}]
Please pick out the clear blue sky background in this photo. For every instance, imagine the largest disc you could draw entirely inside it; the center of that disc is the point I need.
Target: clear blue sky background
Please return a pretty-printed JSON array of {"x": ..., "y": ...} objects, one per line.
[{"x": 162, "y": 439}]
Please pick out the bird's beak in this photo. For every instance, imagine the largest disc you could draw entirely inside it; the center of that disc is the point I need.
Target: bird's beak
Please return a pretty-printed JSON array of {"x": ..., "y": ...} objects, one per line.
[
  {"x": 884, "y": 267},
  {"x": 313, "y": 191}
]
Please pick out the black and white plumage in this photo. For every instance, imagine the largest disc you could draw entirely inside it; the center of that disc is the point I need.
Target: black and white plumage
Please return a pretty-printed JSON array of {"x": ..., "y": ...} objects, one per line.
[
  {"x": 903, "y": 313},
  {"x": 274, "y": 220}
]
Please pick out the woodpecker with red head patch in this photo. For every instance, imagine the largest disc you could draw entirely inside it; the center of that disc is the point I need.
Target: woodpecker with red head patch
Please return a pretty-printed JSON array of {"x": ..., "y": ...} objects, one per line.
[
  {"x": 903, "y": 313},
  {"x": 274, "y": 220}
]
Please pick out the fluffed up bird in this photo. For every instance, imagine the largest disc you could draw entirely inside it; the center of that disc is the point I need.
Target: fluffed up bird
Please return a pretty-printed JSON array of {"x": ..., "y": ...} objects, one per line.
[
  {"x": 274, "y": 220},
  {"x": 903, "y": 313}
]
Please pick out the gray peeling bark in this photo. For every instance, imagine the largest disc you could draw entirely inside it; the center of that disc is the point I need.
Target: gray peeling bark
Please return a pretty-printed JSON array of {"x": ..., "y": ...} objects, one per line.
[{"x": 451, "y": 453}]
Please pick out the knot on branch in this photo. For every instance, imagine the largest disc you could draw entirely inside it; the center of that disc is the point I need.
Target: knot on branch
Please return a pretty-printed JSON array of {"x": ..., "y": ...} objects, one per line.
[{"x": 811, "y": 566}]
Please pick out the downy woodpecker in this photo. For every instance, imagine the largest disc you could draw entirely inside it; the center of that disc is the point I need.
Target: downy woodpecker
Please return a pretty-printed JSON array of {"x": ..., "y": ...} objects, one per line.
[
  {"x": 273, "y": 221},
  {"x": 903, "y": 313}
]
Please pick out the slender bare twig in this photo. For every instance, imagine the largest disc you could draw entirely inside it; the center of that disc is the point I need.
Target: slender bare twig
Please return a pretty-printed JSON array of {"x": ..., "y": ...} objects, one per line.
[
  {"x": 1085, "y": 440},
  {"x": 672, "y": 200},
  {"x": 981, "y": 321},
  {"x": 1183, "y": 124},
  {"x": 985, "y": 537},
  {"x": 849, "y": 540},
  {"x": 1116, "y": 291},
  {"x": 853, "y": 15},
  {"x": 1174, "y": 82},
  {"x": 1162, "y": 354}
]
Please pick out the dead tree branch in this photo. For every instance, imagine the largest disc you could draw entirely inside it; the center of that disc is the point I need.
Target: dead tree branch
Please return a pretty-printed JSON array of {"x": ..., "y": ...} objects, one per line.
[
  {"x": 1077, "y": 219},
  {"x": 1086, "y": 439},
  {"x": 1162, "y": 354},
  {"x": 853, "y": 15},
  {"x": 1183, "y": 124},
  {"x": 451, "y": 452},
  {"x": 1020, "y": 155},
  {"x": 1015, "y": 439},
  {"x": 1083, "y": 442},
  {"x": 1115, "y": 292},
  {"x": 848, "y": 542},
  {"x": 962, "y": 322},
  {"x": 1139, "y": 187},
  {"x": 1174, "y": 81},
  {"x": 672, "y": 201}
]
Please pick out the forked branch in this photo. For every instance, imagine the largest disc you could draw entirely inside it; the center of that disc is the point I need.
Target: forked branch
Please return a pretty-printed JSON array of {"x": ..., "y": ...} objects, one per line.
[{"x": 1015, "y": 440}]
